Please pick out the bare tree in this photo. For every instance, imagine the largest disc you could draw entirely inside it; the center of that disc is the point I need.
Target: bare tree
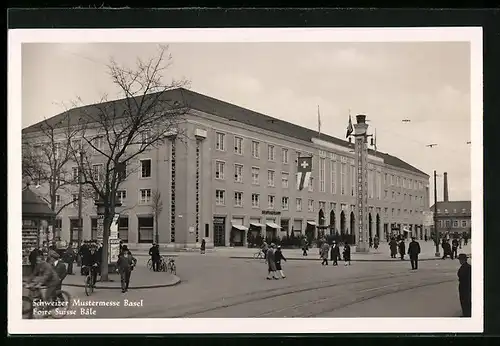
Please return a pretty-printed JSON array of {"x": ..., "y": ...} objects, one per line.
[
  {"x": 47, "y": 151},
  {"x": 117, "y": 132},
  {"x": 157, "y": 208}
]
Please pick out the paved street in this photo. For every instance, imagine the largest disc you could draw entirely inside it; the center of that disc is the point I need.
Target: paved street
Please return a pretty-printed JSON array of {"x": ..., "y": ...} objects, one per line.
[{"x": 217, "y": 286}]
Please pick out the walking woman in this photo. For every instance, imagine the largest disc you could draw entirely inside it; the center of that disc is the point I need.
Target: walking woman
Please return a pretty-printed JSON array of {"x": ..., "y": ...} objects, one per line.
[
  {"x": 278, "y": 256},
  {"x": 202, "y": 247},
  {"x": 347, "y": 254}
]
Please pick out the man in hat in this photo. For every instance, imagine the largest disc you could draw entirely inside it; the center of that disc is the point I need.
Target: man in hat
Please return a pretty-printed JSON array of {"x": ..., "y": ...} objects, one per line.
[
  {"x": 413, "y": 252},
  {"x": 464, "y": 285},
  {"x": 334, "y": 253},
  {"x": 59, "y": 267},
  {"x": 45, "y": 275},
  {"x": 154, "y": 252},
  {"x": 125, "y": 264}
]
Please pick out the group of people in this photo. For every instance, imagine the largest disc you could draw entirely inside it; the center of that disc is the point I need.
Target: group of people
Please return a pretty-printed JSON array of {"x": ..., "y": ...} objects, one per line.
[
  {"x": 48, "y": 271},
  {"x": 334, "y": 252},
  {"x": 273, "y": 257}
]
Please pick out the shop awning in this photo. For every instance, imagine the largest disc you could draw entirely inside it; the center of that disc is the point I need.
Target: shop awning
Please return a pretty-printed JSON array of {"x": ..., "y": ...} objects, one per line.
[
  {"x": 273, "y": 225},
  {"x": 256, "y": 224},
  {"x": 312, "y": 223},
  {"x": 240, "y": 227}
]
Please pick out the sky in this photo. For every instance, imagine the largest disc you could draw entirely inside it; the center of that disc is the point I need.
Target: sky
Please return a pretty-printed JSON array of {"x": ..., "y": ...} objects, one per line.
[{"x": 425, "y": 82}]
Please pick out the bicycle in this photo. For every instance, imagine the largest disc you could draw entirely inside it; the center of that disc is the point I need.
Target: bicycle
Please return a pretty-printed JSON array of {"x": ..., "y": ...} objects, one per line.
[
  {"x": 56, "y": 308},
  {"x": 89, "y": 285},
  {"x": 259, "y": 254},
  {"x": 161, "y": 265},
  {"x": 171, "y": 266}
]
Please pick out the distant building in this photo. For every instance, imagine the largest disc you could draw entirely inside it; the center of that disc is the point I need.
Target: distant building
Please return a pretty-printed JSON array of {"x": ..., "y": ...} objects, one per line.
[
  {"x": 237, "y": 174},
  {"x": 452, "y": 216}
]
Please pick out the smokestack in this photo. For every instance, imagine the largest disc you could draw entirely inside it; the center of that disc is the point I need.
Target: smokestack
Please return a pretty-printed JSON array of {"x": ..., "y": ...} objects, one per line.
[{"x": 445, "y": 192}]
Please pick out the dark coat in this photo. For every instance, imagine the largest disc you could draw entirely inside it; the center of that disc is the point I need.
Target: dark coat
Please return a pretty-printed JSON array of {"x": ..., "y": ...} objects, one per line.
[
  {"x": 61, "y": 270},
  {"x": 413, "y": 249},
  {"x": 69, "y": 255},
  {"x": 464, "y": 280},
  {"x": 347, "y": 253},
  {"x": 402, "y": 247},
  {"x": 393, "y": 246},
  {"x": 278, "y": 256},
  {"x": 203, "y": 244},
  {"x": 154, "y": 252},
  {"x": 271, "y": 259},
  {"x": 454, "y": 243},
  {"x": 126, "y": 262},
  {"x": 34, "y": 254},
  {"x": 334, "y": 252},
  {"x": 91, "y": 259},
  {"x": 45, "y": 274}
]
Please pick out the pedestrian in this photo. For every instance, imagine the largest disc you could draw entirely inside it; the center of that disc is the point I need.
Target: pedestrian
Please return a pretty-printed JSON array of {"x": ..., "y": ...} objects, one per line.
[
  {"x": 69, "y": 258},
  {"x": 121, "y": 246},
  {"x": 305, "y": 247},
  {"x": 36, "y": 252},
  {"x": 446, "y": 249},
  {"x": 370, "y": 242},
  {"x": 376, "y": 242},
  {"x": 202, "y": 247},
  {"x": 271, "y": 263},
  {"x": 454, "y": 248},
  {"x": 83, "y": 252},
  {"x": 464, "y": 285},
  {"x": 154, "y": 252},
  {"x": 125, "y": 265},
  {"x": 413, "y": 252},
  {"x": 334, "y": 253},
  {"x": 264, "y": 249},
  {"x": 59, "y": 267},
  {"x": 425, "y": 238},
  {"x": 278, "y": 256},
  {"x": 393, "y": 245},
  {"x": 402, "y": 248},
  {"x": 324, "y": 253},
  {"x": 347, "y": 254}
]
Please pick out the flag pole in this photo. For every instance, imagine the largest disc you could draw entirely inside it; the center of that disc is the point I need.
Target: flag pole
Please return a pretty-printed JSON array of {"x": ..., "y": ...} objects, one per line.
[{"x": 319, "y": 123}]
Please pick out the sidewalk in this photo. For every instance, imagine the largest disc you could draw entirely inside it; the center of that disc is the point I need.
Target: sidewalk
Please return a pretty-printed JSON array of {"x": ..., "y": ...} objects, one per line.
[{"x": 141, "y": 278}]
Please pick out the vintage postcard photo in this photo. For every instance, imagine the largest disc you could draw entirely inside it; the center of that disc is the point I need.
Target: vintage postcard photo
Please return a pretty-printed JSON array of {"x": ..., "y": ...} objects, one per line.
[{"x": 279, "y": 180}]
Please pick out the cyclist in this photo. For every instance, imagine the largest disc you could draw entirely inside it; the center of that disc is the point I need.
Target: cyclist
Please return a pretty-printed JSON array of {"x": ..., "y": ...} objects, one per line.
[
  {"x": 45, "y": 275},
  {"x": 264, "y": 249},
  {"x": 92, "y": 261}
]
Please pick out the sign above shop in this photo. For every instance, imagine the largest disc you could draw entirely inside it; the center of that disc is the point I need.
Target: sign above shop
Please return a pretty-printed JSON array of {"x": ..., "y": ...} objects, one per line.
[{"x": 271, "y": 212}]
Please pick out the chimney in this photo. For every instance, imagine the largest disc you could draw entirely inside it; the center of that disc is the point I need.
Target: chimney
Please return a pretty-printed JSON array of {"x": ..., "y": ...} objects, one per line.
[{"x": 445, "y": 192}]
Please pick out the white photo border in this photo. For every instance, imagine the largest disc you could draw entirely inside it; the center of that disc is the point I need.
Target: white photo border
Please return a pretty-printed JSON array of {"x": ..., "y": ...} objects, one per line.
[{"x": 16, "y": 325}]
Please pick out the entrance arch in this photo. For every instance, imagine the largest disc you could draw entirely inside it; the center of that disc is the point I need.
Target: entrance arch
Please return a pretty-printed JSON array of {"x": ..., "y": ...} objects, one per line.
[
  {"x": 370, "y": 232},
  {"x": 332, "y": 222},
  {"x": 342, "y": 222},
  {"x": 321, "y": 223},
  {"x": 377, "y": 226},
  {"x": 353, "y": 228}
]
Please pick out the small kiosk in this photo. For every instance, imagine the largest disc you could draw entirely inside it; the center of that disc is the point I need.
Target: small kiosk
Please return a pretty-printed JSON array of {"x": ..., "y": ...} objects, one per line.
[{"x": 36, "y": 215}]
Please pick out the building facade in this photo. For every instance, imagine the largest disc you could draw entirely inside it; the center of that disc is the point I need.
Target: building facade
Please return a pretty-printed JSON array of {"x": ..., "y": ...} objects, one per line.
[
  {"x": 236, "y": 174},
  {"x": 453, "y": 217}
]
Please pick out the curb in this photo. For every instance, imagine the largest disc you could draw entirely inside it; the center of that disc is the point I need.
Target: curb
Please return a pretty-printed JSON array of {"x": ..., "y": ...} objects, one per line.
[
  {"x": 353, "y": 260},
  {"x": 174, "y": 282}
]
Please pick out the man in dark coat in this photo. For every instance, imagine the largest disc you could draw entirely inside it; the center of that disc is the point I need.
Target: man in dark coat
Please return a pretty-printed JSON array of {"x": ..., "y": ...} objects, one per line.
[
  {"x": 278, "y": 256},
  {"x": 464, "y": 285},
  {"x": 203, "y": 246},
  {"x": 402, "y": 248},
  {"x": 454, "y": 248},
  {"x": 69, "y": 257},
  {"x": 413, "y": 252},
  {"x": 393, "y": 245},
  {"x": 347, "y": 254},
  {"x": 271, "y": 264},
  {"x": 93, "y": 262},
  {"x": 83, "y": 252},
  {"x": 154, "y": 252},
  {"x": 446, "y": 249},
  {"x": 125, "y": 264},
  {"x": 59, "y": 267},
  {"x": 335, "y": 253},
  {"x": 32, "y": 257}
]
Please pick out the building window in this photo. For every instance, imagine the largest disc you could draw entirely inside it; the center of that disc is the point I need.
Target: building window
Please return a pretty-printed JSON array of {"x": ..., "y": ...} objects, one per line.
[
  {"x": 146, "y": 168},
  {"x": 385, "y": 194},
  {"x": 284, "y": 156},
  {"x": 404, "y": 197},
  {"x": 238, "y": 199},
  {"x": 446, "y": 211},
  {"x": 76, "y": 174},
  {"x": 270, "y": 178},
  {"x": 399, "y": 212},
  {"x": 75, "y": 231},
  {"x": 370, "y": 184},
  {"x": 145, "y": 225},
  {"x": 455, "y": 223},
  {"x": 353, "y": 180},
  {"x": 219, "y": 141},
  {"x": 310, "y": 205},
  {"x": 255, "y": 200},
  {"x": 379, "y": 185},
  {"x": 322, "y": 173},
  {"x": 98, "y": 144},
  {"x": 238, "y": 173},
  {"x": 385, "y": 178},
  {"x": 392, "y": 179},
  {"x": 332, "y": 206},
  {"x": 333, "y": 177},
  {"x": 311, "y": 184},
  {"x": 255, "y": 149},
  {"x": 397, "y": 181},
  {"x": 404, "y": 183},
  {"x": 322, "y": 206},
  {"x": 298, "y": 204},
  {"x": 123, "y": 228},
  {"x": 74, "y": 198},
  {"x": 464, "y": 211},
  {"x": 448, "y": 223},
  {"x": 271, "y": 201},
  {"x": 97, "y": 172},
  {"x": 464, "y": 223},
  {"x": 145, "y": 137},
  {"x": 392, "y": 212},
  {"x": 454, "y": 211},
  {"x": 144, "y": 196},
  {"x": 220, "y": 198},
  {"x": 271, "y": 151},
  {"x": 386, "y": 211},
  {"x": 255, "y": 175},
  {"x": 122, "y": 171},
  {"x": 93, "y": 228},
  {"x": 284, "y": 180},
  {"x": 238, "y": 145},
  {"x": 438, "y": 211},
  {"x": 219, "y": 170},
  {"x": 343, "y": 168},
  {"x": 122, "y": 196},
  {"x": 58, "y": 200},
  {"x": 284, "y": 203}
]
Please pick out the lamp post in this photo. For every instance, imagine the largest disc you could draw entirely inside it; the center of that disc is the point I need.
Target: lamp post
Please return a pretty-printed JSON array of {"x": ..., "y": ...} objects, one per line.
[
  {"x": 80, "y": 198},
  {"x": 436, "y": 231},
  {"x": 361, "y": 149}
]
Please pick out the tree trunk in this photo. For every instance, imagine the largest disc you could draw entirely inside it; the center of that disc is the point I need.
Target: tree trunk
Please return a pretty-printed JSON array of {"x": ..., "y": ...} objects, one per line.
[
  {"x": 105, "y": 245},
  {"x": 157, "y": 236}
]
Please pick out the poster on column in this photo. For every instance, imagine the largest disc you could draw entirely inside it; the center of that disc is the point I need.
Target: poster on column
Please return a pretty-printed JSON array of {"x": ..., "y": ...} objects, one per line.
[{"x": 114, "y": 242}]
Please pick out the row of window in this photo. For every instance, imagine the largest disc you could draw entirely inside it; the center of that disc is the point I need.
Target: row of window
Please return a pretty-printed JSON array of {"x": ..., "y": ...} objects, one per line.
[
  {"x": 238, "y": 201},
  {"x": 456, "y": 223},
  {"x": 220, "y": 144},
  {"x": 145, "y": 196},
  {"x": 98, "y": 171},
  {"x": 464, "y": 211}
]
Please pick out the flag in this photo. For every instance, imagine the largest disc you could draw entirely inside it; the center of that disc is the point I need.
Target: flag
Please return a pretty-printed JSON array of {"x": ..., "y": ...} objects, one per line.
[
  {"x": 304, "y": 169},
  {"x": 375, "y": 140},
  {"x": 319, "y": 123},
  {"x": 349, "y": 128}
]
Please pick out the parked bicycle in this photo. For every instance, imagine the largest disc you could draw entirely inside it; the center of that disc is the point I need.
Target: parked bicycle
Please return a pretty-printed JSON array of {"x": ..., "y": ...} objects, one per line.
[
  {"x": 259, "y": 254},
  {"x": 162, "y": 264},
  {"x": 171, "y": 266},
  {"x": 56, "y": 307},
  {"x": 89, "y": 284}
]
